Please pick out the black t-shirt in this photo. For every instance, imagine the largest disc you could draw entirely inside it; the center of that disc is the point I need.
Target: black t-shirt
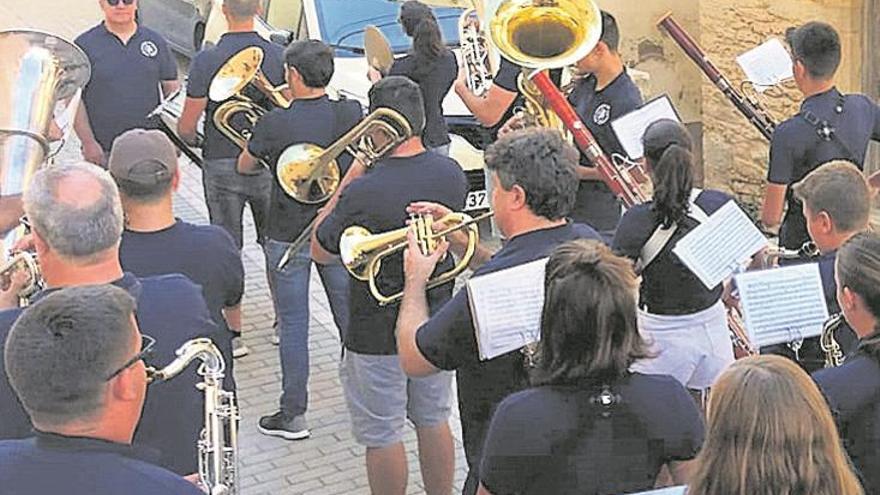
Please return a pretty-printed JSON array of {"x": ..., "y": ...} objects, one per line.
[
  {"x": 124, "y": 84},
  {"x": 853, "y": 392},
  {"x": 448, "y": 339},
  {"x": 434, "y": 78},
  {"x": 796, "y": 149},
  {"x": 507, "y": 79},
  {"x": 53, "y": 463},
  {"x": 206, "y": 254},
  {"x": 320, "y": 121},
  {"x": 596, "y": 205},
  {"x": 171, "y": 309},
  {"x": 205, "y": 66},
  {"x": 377, "y": 201},
  {"x": 667, "y": 270},
  {"x": 560, "y": 440}
]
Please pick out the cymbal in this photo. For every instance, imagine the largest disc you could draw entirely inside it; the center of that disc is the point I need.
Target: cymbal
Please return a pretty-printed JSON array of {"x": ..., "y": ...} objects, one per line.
[{"x": 377, "y": 49}]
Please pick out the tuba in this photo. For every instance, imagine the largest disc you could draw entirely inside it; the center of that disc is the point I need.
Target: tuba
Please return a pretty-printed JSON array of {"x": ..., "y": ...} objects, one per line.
[
  {"x": 218, "y": 443},
  {"x": 828, "y": 343},
  {"x": 229, "y": 86},
  {"x": 310, "y": 174},
  {"x": 362, "y": 252},
  {"x": 38, "y": 71}
]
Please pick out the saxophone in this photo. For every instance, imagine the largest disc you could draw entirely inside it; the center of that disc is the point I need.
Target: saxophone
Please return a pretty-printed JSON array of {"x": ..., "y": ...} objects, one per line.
[
  {"x": 833, "y": 353},
  {"x": 218, "y": 442}
]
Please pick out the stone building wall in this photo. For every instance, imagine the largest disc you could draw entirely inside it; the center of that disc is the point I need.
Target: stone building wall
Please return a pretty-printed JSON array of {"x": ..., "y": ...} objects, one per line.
[{"x": 734, "y": 154}]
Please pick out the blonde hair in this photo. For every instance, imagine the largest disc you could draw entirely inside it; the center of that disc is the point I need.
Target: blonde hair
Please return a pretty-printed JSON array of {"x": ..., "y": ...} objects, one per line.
[{"x": 770, "y": 432}]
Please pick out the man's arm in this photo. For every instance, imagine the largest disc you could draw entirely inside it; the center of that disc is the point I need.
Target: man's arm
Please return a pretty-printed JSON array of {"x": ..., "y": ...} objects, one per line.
[
  {"x": 169, "y": 87},
  {"x": 187, "y": 125},
  {"x": 232, "y": 314},
  {"x": 248, "y": 164},
  {"x": 10, "y": 211},
  {"x": 774, "y": 202},
  {"x": 414, "y": 307},
  {"x": 91, "y": 150},
  {"x": 487, "y": 109}
]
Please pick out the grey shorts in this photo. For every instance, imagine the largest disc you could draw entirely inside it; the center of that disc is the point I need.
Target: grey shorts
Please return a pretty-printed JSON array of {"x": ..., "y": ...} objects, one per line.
[{"x": 381, "y": 397}]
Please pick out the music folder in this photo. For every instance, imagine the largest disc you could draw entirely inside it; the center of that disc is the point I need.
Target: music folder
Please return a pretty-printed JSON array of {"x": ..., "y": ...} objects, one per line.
[{"x": 506, "y": 308}]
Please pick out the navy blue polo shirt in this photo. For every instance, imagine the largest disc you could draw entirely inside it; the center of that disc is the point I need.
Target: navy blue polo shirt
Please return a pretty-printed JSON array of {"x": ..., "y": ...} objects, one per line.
[
  {"x": 667, "y": 270},
  {"x": 52, "y": 463},
  {"x": 434, "y": 78},
  {"x": 377, "y": 201},
  {"x": 205, "y": 66},
  {"x": 206, "y": 254},
  {"x": 796, "y": 149},
  {"x": 319, "y": 121},
  {"x": 171, "y": 309},
  {"x": 853, "y": 393},
  {"x": 448, "y": 339},
  {"x": 124, "y": 87},
  {"x": 596, "y": 205},
  {"x": 561, "y": 440}
]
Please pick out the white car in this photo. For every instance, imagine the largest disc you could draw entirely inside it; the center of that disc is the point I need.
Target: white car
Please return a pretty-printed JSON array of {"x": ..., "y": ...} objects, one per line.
[{"x": 190, "y": 24}]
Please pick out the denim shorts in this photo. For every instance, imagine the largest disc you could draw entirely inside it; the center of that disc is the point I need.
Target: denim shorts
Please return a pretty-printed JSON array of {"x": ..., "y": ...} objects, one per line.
[{"x": 381, "y": 397}]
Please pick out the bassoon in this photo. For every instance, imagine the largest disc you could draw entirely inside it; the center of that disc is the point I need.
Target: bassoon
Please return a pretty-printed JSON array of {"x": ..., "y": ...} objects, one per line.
[{"x": 748, "y": 106}]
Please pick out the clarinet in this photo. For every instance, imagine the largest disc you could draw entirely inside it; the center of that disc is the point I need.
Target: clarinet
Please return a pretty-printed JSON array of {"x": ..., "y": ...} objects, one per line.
[
  {"x": 748, "y": 106},
  {"x": 618, "y": 179}
]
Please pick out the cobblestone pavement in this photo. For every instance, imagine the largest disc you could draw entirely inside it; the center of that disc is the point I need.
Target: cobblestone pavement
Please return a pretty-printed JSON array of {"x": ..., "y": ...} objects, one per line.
[{"x": 330, "y": 462}]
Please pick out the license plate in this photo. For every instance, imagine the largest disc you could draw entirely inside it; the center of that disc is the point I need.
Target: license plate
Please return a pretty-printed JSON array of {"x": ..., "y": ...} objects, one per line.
[{"x": 476, "y": 200}]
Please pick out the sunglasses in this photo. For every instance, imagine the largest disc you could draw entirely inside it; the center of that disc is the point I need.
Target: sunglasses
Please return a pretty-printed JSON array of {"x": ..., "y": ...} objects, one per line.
[
  {"x": 147, "y": 344},
  {"x": 114, "y": 3}
]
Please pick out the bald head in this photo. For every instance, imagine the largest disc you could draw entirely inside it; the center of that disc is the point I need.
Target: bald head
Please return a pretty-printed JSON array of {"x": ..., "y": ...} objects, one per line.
[{"x": 75, "y": 209}]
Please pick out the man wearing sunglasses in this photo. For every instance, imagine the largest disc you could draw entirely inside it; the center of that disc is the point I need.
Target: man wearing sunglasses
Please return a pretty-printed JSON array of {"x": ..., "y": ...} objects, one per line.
[
  {"x": 75, "y": 361},
  {"x": 129, "y": 65},
  {"x": 77, "y": 222}
]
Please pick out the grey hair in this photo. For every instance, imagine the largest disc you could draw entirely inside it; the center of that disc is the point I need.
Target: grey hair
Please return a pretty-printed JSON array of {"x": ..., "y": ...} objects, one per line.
[
  {"x": 242, "y": 9},
  {"x": 76, "y": 232}
]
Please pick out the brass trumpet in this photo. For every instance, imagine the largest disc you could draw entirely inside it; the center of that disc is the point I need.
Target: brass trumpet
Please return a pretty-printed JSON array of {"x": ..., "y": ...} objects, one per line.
[
  {"x": 310, "y": 174},
  {"x": 362, "y": 252},
  {"x": 228, "y": 86}
]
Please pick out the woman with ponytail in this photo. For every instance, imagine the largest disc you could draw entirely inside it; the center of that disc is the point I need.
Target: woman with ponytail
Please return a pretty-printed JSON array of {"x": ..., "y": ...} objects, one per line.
[
  {"x": 430, "y": 65},
  {"x": 683, "y": 320},
  {"x": 853, "y": 389}
]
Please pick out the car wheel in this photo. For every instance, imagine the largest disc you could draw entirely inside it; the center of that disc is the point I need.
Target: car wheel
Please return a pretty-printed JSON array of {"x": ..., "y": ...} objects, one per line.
[{"x": 198, "y": 36}]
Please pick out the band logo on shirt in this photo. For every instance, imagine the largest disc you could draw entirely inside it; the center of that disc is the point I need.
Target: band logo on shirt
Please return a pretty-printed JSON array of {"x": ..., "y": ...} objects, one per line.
[
  {"x": 149, "y": 49},
  {"x": 602, "y": 114}
]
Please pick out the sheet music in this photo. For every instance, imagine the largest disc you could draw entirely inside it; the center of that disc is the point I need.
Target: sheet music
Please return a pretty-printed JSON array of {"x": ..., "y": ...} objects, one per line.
[
  {"x": 767, "y": 65},
  {"x": 672, "y": 490},
  {"x": 506, "y": 308},
  {"x": 783, "y": 304},
  {"x": 716, "y": 247},
  {"x": 631, "y": 127}
]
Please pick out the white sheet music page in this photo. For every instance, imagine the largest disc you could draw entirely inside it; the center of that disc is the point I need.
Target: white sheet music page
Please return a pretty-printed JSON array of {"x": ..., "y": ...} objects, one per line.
[
  {"x": 672, "y": 490},
  {"x": 631, "y": 127},
  {"x": 716, "y": 247},
  {"x": 782, "y": 305},
  {"x": 506, "y": 308},
  {"x": 766, "y": 65}
]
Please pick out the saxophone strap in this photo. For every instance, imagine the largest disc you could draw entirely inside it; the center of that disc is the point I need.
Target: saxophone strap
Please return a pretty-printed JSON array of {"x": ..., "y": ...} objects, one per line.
[{"x": 661, "y": 236}]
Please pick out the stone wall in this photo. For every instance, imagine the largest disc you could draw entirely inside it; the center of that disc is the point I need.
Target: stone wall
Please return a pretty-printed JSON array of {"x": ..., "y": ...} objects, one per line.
[{"x": 734, "y": 154}]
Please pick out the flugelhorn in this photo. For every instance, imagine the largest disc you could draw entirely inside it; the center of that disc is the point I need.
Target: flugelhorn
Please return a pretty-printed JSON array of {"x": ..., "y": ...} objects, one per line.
[
  {"x": 475, "y": 53},
  {"x": 362, "y": 252},
  {"x": 310, "y": 174},
  {"x": 218, "y": 442},
  {"x": 828, "y": 341},
  {"x": 229, "y": 87}
]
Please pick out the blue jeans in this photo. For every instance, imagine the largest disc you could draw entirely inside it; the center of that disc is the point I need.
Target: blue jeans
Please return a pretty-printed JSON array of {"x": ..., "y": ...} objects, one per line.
[
  {"x": 227, "y": 192},
  {"x": 290, "y": 295}
]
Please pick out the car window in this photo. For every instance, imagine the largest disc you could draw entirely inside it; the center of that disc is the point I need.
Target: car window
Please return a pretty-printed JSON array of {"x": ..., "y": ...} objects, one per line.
[
  {"x": 283, "y": 14},
  {"x": 342, "y": 23}
]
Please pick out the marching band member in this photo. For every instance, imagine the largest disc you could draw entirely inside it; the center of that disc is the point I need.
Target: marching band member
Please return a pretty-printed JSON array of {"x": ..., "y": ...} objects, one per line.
[
  {"x": 77, "y": 222},
  {"x": 534, "y": 182},
  {"x": 311, "y": 118},
  {"x": 380, "y": 397},
  {"x": 770, "y": 432},
  {"x": 590, "y": 425},
  {"x": 852, "y": 389},
  {"x": 499, "y": 104},
  {"x": 687, "y": 325},
  {"x": 226, "y": 191},
  {"x": 606, "y": 93},
  {"x": 76, "y": 362},
  {"x": 154, "y": 242},
  {"x": 829, "y": 126},
  {"x": 430, "y": 65},
  {"x": 129, "y": 64},
  {"x": 836, "y": 201}
]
